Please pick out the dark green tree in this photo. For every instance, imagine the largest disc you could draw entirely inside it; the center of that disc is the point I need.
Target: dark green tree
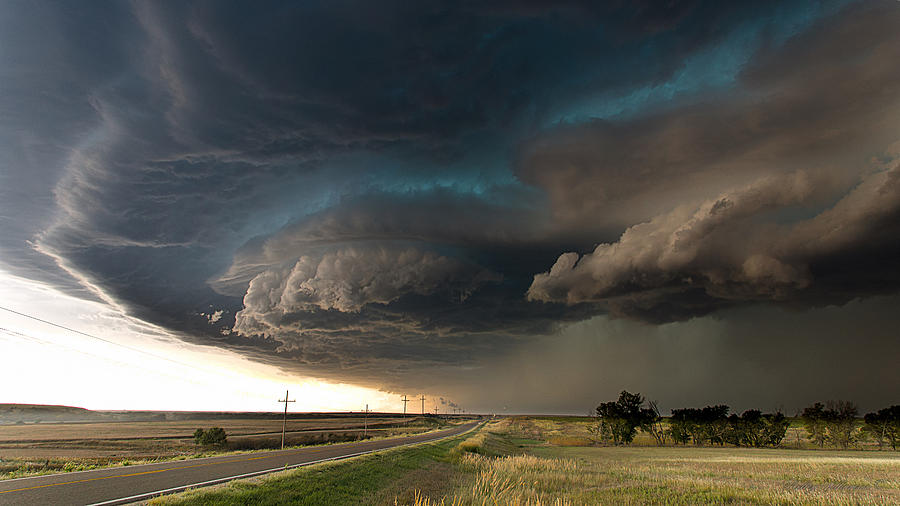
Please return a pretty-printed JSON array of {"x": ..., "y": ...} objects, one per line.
[
  {"x": 775, "y": 429},
  {"x": 619, "y": 420},
  {"x": 833, "y": 422},
  {"x": 814, "y": 423},
  {"x": 706, "y": 425},
  {"x": 840, "y": 420},
  {"x": 681, "y": 425},
  {"x": 651, "y": 423},
  {"x": 884, "y": 425},
  {"x": 756, "y": 429},
  {"x": 713, "y": 424}
]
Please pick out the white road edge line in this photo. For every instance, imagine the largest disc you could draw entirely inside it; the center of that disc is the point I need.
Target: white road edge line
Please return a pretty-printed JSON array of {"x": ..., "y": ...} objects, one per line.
[
  {"x": 160, "y": 463},
  {"x": 164, "y": 462},
  {"x": 148, "y": 495}
]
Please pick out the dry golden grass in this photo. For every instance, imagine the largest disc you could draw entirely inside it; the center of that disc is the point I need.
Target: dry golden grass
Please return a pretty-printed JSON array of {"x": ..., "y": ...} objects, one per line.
[
  {"x": 692, "y": 475},
  {"x": 569, "y": 441},
  {"x": 474, "y": 444},
  {"x": 536, "y": 472},
  {"x": 510, "y": 480}
]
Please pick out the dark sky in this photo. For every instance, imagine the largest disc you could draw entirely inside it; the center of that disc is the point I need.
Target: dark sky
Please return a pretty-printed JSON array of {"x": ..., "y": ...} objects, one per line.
[{"x": 526, "y": 205}]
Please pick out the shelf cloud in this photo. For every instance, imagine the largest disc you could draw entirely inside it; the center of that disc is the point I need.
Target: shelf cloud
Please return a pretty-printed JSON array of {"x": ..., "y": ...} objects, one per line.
[{"x": 404, "y": 194}]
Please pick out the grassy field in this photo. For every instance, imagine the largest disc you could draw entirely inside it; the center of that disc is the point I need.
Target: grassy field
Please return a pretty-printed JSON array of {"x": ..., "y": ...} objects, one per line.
[
  {"x": 30, "y": 449},
  {"x": 513, "y": 461},
  {"x": 175, "y": 429}
]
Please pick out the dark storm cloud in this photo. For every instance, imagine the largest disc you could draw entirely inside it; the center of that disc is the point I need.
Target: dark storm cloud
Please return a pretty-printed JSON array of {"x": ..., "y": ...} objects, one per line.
[
  {"x": 467, "y": 224},
  {"x": 192, "y": 127},
  {"x": 48, "y": 65},
  {"x": 778, "y": 119},
  {"x": 327, "y": 186},
  {"x": 769, "y": 196},
  {"x": 726, "y": 252}
]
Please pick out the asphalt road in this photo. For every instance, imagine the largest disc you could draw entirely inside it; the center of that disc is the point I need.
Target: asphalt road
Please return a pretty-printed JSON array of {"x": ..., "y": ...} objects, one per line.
[{"x": 122, "y": 485}]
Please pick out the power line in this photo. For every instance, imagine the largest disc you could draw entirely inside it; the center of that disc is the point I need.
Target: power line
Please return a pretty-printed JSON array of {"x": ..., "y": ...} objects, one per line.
[
  {"x": 45, "y": 342},
  {"x": 120, "y": 363},
  {"x": 130, "y": 348},
  {"x": 26, "y": 337},
  {"x": 107, "y": 341}
]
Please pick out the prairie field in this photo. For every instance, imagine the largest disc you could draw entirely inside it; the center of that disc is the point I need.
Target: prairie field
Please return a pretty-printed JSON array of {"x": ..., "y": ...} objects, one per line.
[
  {"x": 589, "y": 475},
  {"x": 174, "y": 429},
  {"x": 37, "y": 448},
  {"x": 541, "y": 472}
]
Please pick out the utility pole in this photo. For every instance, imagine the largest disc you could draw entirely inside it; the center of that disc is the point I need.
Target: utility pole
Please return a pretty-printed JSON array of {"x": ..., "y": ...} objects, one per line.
[
  {"x": 284, "y": 421},
  {"x": 366, "y": 423},
  {"x": 405, "y": 400},
  {"x": 423, "y": 405}
]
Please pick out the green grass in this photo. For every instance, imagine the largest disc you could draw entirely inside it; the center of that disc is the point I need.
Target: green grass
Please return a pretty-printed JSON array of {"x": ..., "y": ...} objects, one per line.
[
  {"x": 21, "y": 468},
  {"x": 382, "y": 478}
]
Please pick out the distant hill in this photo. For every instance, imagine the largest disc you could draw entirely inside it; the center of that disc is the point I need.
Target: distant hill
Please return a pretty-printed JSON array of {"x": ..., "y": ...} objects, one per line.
[
  {"x": 44, "y": 413},
  {"x": 31, "y": 413}
]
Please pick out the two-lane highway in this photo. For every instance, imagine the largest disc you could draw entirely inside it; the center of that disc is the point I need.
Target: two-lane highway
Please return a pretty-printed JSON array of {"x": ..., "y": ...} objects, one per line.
[{"x": 121, "y": 485}]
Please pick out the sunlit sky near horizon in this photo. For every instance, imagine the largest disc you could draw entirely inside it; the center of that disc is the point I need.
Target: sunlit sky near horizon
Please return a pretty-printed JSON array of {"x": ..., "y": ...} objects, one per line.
[
  {"x": 142, "y": 366},
  {"x": 508, "y": 206}
]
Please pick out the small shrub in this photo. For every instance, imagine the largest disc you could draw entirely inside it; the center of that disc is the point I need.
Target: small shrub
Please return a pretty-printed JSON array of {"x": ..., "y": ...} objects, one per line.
[
  {"x": 70, "y": 467},
  {"x": 213, "y": 436}
]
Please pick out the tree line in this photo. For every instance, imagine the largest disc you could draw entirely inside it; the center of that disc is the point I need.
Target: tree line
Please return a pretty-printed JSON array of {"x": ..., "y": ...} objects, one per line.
[{"x": 834, "y": 423}]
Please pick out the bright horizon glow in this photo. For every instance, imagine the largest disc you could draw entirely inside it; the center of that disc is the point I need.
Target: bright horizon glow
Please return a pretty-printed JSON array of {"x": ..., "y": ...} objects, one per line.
[{"x": 146, "y": 369}]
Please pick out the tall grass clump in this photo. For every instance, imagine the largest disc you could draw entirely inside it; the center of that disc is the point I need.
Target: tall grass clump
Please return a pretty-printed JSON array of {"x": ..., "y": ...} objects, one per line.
[
  {"x": 517, "y": 479},
  {"x": 474, "y": 444}
]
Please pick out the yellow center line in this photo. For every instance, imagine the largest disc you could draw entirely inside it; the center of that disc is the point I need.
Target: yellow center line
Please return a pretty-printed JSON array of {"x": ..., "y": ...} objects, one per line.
[
  {"x": 146, "y": 472},
  {"x": 310, "y": 450}
]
